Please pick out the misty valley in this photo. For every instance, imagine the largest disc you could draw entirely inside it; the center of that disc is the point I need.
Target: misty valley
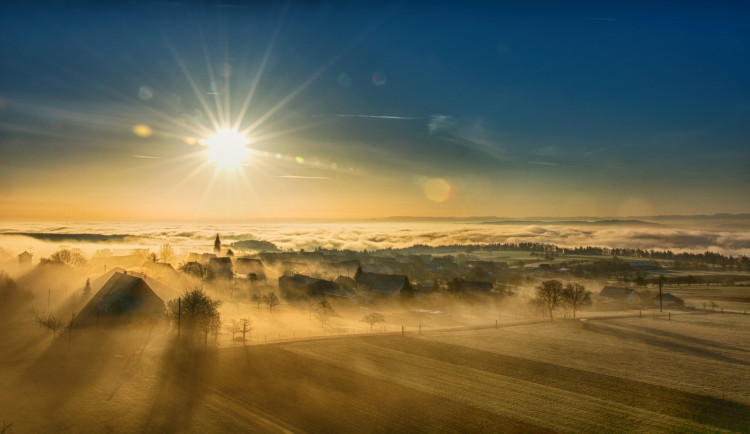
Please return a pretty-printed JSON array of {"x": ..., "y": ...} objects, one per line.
[
  {"x": 230, "y": 216},
  {"x": 242, "y": 334}
]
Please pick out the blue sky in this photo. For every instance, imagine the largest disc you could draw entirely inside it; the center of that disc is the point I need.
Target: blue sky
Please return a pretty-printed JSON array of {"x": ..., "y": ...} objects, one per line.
[{"x": 516, "y": 108}]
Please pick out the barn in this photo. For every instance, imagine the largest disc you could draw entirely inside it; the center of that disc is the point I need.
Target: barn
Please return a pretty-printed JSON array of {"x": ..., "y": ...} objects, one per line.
[{"x": 123, "y": 296}]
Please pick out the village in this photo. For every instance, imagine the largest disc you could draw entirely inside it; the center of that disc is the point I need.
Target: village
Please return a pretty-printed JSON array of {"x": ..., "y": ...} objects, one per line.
[
  {"x": 239, "y": 335},
  {"x": 70, "y": 290}
]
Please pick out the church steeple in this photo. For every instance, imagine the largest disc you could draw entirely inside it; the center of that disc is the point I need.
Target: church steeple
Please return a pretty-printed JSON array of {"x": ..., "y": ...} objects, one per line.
[{"x": 217, "y": 245}]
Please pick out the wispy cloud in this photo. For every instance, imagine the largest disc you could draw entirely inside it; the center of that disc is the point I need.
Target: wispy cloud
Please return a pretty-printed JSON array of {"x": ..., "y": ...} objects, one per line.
[
  {"x": 144, "y": 156},
  {"x": 469, "y": 133},
  {"x": 378, "y": 117},
  {"x": 543, "y": 163}
]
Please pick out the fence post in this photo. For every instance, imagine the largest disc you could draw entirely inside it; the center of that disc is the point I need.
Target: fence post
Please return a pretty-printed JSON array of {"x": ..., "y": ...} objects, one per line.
[
  {"x": 640, "y": 314},
  {"x": 402, "y": 330},
  {"x": 495, "y": 323},
  {"x": 669, "y": 315},
  {"x": 420, "y": 328}
]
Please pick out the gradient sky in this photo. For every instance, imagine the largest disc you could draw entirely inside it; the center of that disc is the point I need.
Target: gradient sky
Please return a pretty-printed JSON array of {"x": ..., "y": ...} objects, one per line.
[{"x": 356, "y": 111}]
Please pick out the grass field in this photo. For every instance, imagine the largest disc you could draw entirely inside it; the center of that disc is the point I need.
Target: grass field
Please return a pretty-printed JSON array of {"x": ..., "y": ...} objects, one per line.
[{"x": 688, "y": 374}]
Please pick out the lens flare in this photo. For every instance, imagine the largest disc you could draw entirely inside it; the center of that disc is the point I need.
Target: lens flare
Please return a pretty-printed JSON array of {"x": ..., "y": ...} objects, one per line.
[
  {"x": 227, "y": 148},
  {"x": 437, "y": 190},
  {"x": 142, "y": 130}
]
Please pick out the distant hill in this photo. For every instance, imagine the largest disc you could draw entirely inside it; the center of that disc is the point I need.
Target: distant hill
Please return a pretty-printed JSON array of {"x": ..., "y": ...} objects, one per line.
[
  {"x": 635, "y": 223},
  {"x": 60, "y": 237},
  {"x": 256, "y": 245}
]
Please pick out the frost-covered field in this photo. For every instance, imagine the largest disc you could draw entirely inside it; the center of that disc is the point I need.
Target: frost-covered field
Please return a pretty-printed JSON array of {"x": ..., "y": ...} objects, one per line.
[{"x": 647, "y": 374}]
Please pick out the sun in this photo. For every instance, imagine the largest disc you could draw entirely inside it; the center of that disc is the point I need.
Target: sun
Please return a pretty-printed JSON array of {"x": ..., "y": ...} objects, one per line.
[{"x": 227, "y": 148}]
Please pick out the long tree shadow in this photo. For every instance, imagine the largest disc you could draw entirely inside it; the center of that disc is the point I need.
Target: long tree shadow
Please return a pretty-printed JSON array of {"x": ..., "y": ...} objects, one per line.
[
  {"x": 185, "y": 375},
  {"x": 684, "y": 338},
  {"x": 656, "y": 341},
  {"x": 80, "y": 363},
  {"x": 69, "y": 366}
]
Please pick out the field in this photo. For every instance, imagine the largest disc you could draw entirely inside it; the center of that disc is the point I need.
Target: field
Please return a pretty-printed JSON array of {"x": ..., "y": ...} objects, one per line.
[
  {"x": 647, "y": 374},
  {"x": 735, "y": 297}
]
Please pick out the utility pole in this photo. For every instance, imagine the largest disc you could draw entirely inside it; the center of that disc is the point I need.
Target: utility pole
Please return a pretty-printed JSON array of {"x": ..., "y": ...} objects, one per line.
[{"x": 661, "y": 281}]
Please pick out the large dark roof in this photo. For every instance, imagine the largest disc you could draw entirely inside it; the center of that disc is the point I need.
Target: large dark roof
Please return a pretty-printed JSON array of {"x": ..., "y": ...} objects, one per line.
[
  {"x": 381, "y": 282},
  {"x": 119, "y": 287},
  {"x": 615, "y": 292}
]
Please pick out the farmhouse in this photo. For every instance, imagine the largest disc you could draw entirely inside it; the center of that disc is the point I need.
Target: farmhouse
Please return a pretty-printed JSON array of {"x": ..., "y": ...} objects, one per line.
[
  {"x": 345, "y": 282},
  {"x": 24, "y": 259},
  {"x": 122, "y": 296},
  {"x": 619, "y": 295},
  {"x": 385, "y": 284},
  {"x": 245, "y": 265},
  {"x": 222, "y": 267},
  {"x": 301, "y": 286},
  {"x": 475, "y": 286}
]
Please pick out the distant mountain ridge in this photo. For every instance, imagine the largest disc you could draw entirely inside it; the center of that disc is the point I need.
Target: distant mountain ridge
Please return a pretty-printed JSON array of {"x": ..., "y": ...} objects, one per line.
[
  {"x": 636, "y": 223},
  {"x": 642, "y": 218}
]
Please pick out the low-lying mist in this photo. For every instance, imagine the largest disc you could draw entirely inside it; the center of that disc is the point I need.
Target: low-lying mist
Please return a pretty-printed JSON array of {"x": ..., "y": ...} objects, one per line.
[{"x": 678, "y": 235}]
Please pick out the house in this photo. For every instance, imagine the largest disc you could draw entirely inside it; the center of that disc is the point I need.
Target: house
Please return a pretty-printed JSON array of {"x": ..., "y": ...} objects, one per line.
[
  {"x": 245, "y": 265},
  {"x": 346, "y": 267},
  {"x": 669, "y": 301},
  {"x": 222, "y": 267},
  {"x": 433, "y": 267},
  {"x": 301, "y": 286},
  {"x": 157, "y": 268},
  {"x": 164, "y": 292},
  {"x": 475, "y": 286},
  {"x": 122, "y": 296},
  {"x": 24, "y": 259},
  {"x": 384, "y": 284},
  {"x": 461, "y": 285},
  {"x": 616, "y": 294},
  {"x": 345, "y": 282}
]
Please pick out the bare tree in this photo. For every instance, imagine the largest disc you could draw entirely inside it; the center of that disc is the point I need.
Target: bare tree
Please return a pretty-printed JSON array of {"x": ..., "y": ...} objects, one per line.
[
  {"x": 203, "y": 272},
  {"x": 195, "y": 309},
  {"x": 245, "y": 327},
  {"x": 271, "y": 300},
  {"x": 373, "y": 318},
  {"x": 576, "y": 296},
  {"x": 73, "y": 258},
  {"x": 257, "y": 299},
  {"x": 142, "y": 253},
  {"x": 311, "y": 305},
  {"x": 549, "y": 294},
  {"x": 166, "y": 253},
  {"x": 324, "y": 311},
  {"x": 214, "y": 326},
  {"x": 234, "y": 328},
  {"x": 50, "y": 322}
]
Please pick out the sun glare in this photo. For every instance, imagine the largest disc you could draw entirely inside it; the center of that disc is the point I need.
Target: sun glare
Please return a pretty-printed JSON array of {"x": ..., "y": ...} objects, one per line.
[{"x": 227, "y": 148}]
